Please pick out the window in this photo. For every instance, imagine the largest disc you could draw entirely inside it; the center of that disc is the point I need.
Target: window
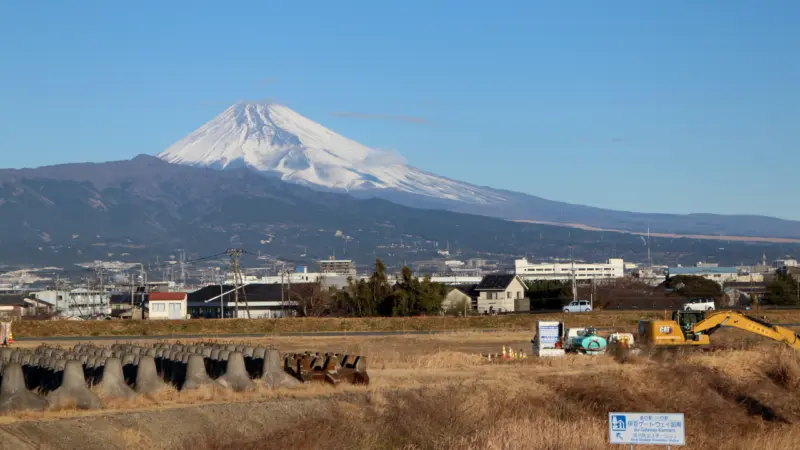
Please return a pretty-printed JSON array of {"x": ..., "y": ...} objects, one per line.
[
  {"x": 519, "y": 294},
  {"x": 158, "y": 307},
  {"x": 174, "y": 307},
  {"x": 508, "y": 294}
]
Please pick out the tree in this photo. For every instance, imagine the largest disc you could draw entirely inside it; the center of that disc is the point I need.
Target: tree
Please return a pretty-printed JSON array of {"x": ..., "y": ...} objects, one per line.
[
  {"x": 313, "y": 300},
  {"x": 548, "y": 294},
  {"x": 782, "y": 290},
  {"x": 691, "y": 286},
  {"x": 377, "y": 297},
  {"x": 412, "y": 296}
]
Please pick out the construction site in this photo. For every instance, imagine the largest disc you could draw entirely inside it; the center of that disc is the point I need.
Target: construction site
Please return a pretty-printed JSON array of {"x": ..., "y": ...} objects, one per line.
[{"x": 735, "y": 377}]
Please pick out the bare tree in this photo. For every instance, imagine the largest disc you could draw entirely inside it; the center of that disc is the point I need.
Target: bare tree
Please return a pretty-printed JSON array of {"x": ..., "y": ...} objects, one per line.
[{"x": 312, "y": 299}]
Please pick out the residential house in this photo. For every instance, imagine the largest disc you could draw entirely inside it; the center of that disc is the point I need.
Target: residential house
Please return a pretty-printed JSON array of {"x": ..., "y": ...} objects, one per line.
[
  {"x": 167, "y": 305},
  {"x": 18, "y": 305},
  {"x": 12, "y": 305},
  {"x": 501, "y": 293},
  {"x": 459, "y": 295}
]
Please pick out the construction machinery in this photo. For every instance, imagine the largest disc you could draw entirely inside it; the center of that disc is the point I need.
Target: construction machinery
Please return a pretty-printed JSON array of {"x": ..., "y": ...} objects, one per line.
[
  {"x": 585, "y": 341},
  {"x": 694, "y": 328}
]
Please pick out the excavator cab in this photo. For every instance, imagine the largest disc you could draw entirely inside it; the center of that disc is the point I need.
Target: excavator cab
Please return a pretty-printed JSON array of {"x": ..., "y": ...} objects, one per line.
[
  {"x": 680, "y": 330},
  {"x": 687, "y": 319}
]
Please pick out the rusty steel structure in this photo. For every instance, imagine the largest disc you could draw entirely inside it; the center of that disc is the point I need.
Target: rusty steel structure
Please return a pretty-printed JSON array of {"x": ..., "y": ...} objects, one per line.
[{"x": 331, "y": 368}]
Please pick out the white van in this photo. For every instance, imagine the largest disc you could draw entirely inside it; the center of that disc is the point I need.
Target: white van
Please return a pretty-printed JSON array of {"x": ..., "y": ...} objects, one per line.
[
  {"x": 578, "y": 306},
  {"x": 699, "y": 304}
]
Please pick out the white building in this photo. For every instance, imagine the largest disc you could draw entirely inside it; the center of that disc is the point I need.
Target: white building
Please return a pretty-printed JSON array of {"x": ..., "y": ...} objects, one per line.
[
  {"x": 288, "y": 277},
  {"x": 77, "y": 302},
  {"x": 720, "y": 275},
  {"x": 614, "y": 268},
  {"x": 344, "y": 267},
  {"x": 781, "y": 263},
  {"x": 167, "y": 305}
]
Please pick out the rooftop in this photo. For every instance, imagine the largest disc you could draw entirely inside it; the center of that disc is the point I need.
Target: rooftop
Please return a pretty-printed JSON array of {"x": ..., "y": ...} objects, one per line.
[
  {"x": 495, "y": 282},
  {"x": 701, "y": 270},
  {"x": 162, "y": 296}
]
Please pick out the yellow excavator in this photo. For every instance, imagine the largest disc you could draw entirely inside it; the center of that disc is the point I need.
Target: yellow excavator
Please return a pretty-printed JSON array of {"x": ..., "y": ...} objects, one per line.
[{"x": 693, "y": 328}]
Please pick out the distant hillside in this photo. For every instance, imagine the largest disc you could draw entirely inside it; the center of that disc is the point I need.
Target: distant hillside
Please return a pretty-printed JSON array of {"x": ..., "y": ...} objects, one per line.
[
  {"x": 139, "y": 209},
  {"x": 280, "y": 142}
]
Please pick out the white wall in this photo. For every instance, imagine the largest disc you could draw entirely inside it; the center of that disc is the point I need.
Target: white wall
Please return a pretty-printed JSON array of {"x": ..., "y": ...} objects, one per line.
[
  {"x": 506, "y": 300},
  {"x": 77, "y": 301},
  {"x": 159, "y": 309},
  {"x": 614, "y": 268}
]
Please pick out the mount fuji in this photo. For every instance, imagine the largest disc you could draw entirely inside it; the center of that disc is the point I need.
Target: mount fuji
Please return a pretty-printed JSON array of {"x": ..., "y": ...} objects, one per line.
[
  {"x": 272, "y": 138},
  {"x": 277, "y": 141}
]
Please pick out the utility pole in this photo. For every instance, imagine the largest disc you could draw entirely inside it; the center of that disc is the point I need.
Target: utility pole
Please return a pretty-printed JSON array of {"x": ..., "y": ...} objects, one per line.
[
  {"x": 133, "y": 292},
  {"x": 234, "y": 254},
  {"x": 221, "y": 295},
  {"x": 574, "y": 281},
  {"x": 58, "y": 280},
  {"x": 288, "y": 285},
  {"x": 183, "y": 269}
]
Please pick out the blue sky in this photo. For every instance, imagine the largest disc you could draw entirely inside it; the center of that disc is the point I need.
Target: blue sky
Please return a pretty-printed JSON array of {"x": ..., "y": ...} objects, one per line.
[{"x": 679, "y": 106}]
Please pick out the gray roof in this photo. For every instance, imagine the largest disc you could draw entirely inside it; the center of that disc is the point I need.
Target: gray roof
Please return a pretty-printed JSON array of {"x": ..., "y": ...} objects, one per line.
[
  {"x": 12, "y": 300},
  {"x": 495, "y": 282}
]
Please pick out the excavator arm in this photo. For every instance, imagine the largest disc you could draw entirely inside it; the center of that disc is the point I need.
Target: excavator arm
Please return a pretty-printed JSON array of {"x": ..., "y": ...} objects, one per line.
[{"x": 714, "y": 321}]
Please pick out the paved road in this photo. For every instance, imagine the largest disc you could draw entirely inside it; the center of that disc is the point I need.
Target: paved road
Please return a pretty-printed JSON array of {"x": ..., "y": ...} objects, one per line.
[
  {"x": 249, "y": 335},
  {"x": 257, "y": 335}
]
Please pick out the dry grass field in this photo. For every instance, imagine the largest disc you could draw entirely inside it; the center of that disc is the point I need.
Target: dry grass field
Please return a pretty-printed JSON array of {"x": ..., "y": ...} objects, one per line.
[
  {"x": 435, "y": 392},
  {"x": 40, "y": 328}
]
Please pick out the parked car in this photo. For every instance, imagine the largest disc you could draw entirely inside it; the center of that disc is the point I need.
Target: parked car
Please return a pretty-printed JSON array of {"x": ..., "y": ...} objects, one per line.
[
  {"x": 578, "y": 306},
  {"x": 699, "y": 304}
]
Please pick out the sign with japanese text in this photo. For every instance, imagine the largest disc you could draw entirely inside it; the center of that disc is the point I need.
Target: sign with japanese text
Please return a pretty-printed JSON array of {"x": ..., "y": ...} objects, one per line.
[
  {"x": 646, "y": 428},
  {"x": 549, "y": 334}
]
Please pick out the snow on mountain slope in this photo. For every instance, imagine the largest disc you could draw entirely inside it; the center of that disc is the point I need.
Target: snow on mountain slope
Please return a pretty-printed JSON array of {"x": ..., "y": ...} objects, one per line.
[{"x": 273, "y": 138}]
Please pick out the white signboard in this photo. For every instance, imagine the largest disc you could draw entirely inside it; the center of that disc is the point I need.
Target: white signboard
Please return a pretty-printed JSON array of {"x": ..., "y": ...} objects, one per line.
[
  {"x": 548, "y": 334},
  {"x": 646, "y": 428}
]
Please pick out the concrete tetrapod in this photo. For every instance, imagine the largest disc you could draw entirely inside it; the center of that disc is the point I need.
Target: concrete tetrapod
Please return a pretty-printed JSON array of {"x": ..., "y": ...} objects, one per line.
[
  {"x": 196, "y": 374},
  {"x": 236, "y": 376},
  {"x": 14, "y": 396},
  {"x": 73, "y": 390},
  {"x": 147, "y": 380},
  {"x": 272, "y": 373},
  {"x": 112, "y": 382}
]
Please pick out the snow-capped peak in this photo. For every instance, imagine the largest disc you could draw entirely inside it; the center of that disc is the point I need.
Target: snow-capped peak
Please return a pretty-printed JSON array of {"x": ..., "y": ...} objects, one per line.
[{"x": 273, "y": 138}]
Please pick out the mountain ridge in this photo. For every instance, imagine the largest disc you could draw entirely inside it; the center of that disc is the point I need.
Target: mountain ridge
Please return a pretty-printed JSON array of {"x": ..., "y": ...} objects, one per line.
[
  {"x": 278, "y": 141},
  {"x": 137, "y": 210}
]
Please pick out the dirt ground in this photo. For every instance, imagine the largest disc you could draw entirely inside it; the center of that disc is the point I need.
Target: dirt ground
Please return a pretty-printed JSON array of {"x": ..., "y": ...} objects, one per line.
[{"x": 440, "y": 385}]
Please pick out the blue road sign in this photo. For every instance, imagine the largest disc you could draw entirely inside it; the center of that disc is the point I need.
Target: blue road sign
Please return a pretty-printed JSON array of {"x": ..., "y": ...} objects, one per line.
[{"x": 646, "y": 428}]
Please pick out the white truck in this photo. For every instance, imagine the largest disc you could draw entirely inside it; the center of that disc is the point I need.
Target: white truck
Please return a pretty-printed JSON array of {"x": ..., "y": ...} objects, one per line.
[
  {"x": 578, "y": 306},
  {"x": 699, "y": 304}
]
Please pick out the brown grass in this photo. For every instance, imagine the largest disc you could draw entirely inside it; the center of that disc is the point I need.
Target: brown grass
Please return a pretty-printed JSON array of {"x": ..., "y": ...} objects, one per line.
[
  {"x": 531, "y": 410},
  {"x": 214, "y": 327},
  {"x": 434, "y": 392}
]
